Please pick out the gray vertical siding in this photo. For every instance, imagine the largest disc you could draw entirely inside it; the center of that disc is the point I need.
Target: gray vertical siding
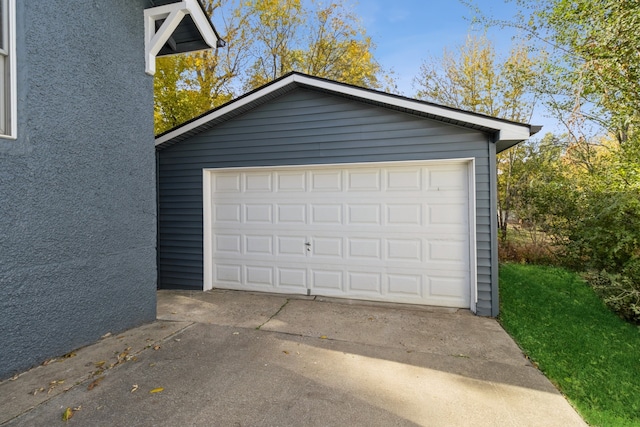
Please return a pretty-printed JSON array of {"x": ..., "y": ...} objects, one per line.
[
  {"x": 305, "y": 127},
  {"x": 77, "y": 188}
]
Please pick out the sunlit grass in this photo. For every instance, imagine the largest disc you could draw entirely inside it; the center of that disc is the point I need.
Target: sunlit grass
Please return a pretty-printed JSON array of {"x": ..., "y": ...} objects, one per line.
[{"x": 589, "y": 353}]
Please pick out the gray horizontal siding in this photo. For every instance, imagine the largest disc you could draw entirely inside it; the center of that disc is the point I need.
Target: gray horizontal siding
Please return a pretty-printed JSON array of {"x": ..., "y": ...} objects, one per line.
[{"x": 305, "y": 127}]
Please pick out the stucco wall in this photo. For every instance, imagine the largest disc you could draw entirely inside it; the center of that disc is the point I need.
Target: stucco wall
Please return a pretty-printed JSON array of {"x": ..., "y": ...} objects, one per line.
[{"x": 77, "y": 188}]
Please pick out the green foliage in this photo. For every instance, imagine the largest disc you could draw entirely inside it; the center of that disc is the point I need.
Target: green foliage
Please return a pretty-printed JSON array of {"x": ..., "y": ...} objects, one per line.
[
  {"x": 565, "y": 329},
  {"x": 475, "y": 78},
  {"x": 619, "y": 292},
  {"x": 265, "y": 40}
]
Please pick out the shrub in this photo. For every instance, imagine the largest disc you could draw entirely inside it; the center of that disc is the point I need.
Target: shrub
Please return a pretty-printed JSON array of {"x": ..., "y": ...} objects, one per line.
[{"x": 619, "y": 292}]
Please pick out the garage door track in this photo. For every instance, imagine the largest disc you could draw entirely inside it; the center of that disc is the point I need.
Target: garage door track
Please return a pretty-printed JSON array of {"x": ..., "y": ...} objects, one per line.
[{"x": 228, "y": 358}]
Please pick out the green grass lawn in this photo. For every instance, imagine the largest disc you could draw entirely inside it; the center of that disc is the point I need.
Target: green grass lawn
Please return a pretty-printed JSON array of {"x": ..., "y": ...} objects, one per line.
[{"x": 590, "y": 354}]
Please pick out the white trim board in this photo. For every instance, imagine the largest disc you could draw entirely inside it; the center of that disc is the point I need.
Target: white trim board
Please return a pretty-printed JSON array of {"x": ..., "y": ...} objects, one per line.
[
  {"x": 208, "y": 174},
  {"x": 505, "y": 131}
]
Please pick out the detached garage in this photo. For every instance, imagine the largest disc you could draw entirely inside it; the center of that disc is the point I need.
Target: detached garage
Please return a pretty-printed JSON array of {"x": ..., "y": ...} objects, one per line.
[{"x": 314, "y": 187}]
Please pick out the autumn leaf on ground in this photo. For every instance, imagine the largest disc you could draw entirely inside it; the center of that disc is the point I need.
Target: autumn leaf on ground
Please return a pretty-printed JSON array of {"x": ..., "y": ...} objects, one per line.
[
  {"x": 134, "y": 388},
  {"x": 323, "y": 337},
  {"x": 94, "y": 383},
  {"x": 38, "y": 390},
  {"x": 156, "y": 347},
  {"x": 157, "y": 390},
  {"x": 67, "y": 414},
  {"x": 100, "y": 363}
]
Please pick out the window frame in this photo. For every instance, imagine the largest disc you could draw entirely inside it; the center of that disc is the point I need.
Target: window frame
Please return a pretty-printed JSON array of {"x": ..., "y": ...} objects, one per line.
[{"x": 8, "y": 70}]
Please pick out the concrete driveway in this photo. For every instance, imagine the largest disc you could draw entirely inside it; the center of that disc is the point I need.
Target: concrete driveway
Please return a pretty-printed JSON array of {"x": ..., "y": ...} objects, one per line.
[{"x": 226, "y": 358}]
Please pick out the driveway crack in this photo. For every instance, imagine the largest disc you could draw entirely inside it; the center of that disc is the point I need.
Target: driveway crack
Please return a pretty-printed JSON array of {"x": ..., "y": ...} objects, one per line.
[{"x": 274, "y": 314}]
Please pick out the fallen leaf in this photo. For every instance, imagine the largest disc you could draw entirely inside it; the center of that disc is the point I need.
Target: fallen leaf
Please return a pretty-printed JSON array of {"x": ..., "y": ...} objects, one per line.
[
  {"x": 67, "y": 414},
  {"x": 15, "y": 377},
  {"x": 77, "y": 408},
  {"x": 177, "y": 340},
  {"x": 69, "y": 355},
  {"x": 156, "y": 347},
  {"x": 100, "y": 363},
  {"x": 38, "y": 390},
  {"x": 323, "y": 337},
  {"x": 48, "y": 361},
  {"x": 54, "y": 384},
  {"x": 236, "y": 333},
  {"x": 94, "y": 383},
  {"x": 285, "y": 351},
  {"x": 134, "y": 388},
  {"x": 107, "y": 335},
  {"x": 157, "y": 390}
]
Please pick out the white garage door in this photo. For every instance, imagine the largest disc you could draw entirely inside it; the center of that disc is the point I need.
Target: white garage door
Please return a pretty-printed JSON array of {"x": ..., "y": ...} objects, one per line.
[{"x": 397, "y": 232}]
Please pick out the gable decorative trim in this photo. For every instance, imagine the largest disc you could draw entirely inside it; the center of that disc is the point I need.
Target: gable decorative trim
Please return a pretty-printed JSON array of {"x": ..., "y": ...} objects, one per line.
[{"x": 172, "y": 14}]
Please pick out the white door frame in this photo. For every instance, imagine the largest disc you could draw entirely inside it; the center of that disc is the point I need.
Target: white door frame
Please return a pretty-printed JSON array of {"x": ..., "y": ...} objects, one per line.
[{"x": 207, "y": 220}]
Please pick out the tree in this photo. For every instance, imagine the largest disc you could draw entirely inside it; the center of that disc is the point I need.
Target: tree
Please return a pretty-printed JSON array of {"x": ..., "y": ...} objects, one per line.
[
  {"x": 592, "y": 68},
  {"x": 188, "y": 85},
  {"x": 265, "y": 40},
  {"x": 475, "y": 79}
]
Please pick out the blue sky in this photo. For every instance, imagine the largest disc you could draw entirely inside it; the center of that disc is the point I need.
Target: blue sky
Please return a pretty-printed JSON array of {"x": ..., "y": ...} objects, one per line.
[{"x": 407, "y": 32}]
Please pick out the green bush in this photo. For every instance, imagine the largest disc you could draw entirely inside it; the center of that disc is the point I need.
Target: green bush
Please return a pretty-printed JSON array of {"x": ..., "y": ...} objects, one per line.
[{"x": 619, "y": 292}]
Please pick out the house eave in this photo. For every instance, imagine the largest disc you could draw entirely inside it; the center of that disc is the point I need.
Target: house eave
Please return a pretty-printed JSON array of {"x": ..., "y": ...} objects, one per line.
[{"x": 177, "y": 27}]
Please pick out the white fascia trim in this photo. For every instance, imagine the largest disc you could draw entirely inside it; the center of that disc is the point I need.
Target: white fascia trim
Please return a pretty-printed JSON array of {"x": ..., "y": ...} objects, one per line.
[
  {"x": 506, "y": 131},
  {"x": 172, "y": 14},
  {"x": 225, "y": 110}
]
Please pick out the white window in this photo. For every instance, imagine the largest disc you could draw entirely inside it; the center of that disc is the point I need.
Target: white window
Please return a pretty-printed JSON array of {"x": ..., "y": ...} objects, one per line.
[{"x": 8, "y": 96}]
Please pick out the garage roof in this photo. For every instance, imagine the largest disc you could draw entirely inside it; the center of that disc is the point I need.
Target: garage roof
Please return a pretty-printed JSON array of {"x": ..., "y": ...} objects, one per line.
[{"x": 504, "y": 133}]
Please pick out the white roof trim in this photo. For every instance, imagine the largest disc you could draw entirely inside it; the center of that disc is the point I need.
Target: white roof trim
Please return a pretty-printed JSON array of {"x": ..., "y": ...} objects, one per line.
[
  {"x": 506, "y": 131},
  {"x": 172, "y": 14}
]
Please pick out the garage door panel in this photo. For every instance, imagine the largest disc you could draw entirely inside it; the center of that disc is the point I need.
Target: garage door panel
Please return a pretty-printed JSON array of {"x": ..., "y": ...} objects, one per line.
[
  {"x": 403, "y": 179},
  {"x": 258, "y": 245},
  {"x": 330, "y": 214},
  {"x": 364, "y": 180},
  {"x": 327, "y": 280},
  {"x": 292, "y": 214},
  {"x": 227, "y": 213},
  {"x": 291, "y": 278},
  {"x": 227, "y": 244},
  {"x": 230, "y": 274},
  {"x": 446, "y": 179},
  {"x": 329, "y": 247},
  {"x": 364, "y": 214},
  {"x": 364, "y": 283},
  {"x": 386, "y": 233},
  {"x": 290, "y": 181},
  {"x": 405, "y": 286},
  {"x": 258, "y": 213},
  {"x": 261, "y": 182},
  {"x": 366, "y": 249},
  {"x": 292, "y": 245},
  {"x": 260, "y": 276},
  {"x": 323, "y": 181},
  {"x": 404, "y": 214}
]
